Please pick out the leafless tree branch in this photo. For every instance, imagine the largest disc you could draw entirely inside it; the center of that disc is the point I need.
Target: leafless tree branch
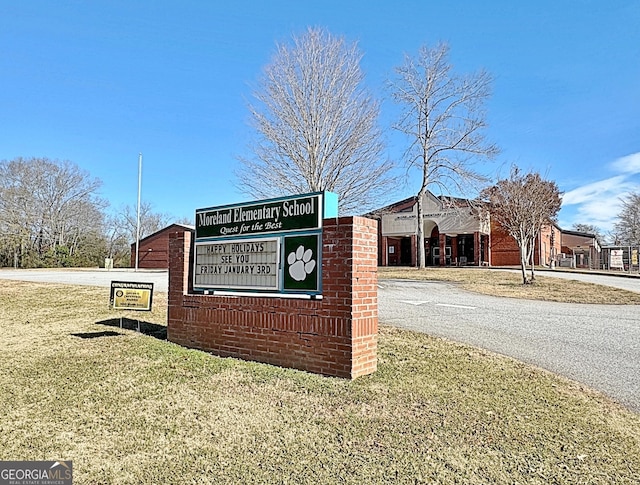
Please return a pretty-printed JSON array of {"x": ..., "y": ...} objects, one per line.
[
  {"x": 627, "y": 227},
  {"x": 522, "y": 205},
  {"x": 316, "y": 126},
  {"x": 444, "y": 121}
]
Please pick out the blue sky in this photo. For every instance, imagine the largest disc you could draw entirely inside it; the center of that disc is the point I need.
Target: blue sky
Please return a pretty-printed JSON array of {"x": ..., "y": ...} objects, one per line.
[{"x": 97, "y": 82}]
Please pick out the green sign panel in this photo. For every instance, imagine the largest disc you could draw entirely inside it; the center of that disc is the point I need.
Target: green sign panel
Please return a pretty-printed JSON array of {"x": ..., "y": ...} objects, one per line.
[
  {"x": 290, "y": 214},
  {"x": 270, "y": 246},
  {"x": 302, "y": 263}
]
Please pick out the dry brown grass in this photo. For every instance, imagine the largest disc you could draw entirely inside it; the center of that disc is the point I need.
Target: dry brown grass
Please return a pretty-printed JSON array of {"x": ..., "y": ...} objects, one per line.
[
  {"x": 131, "y": 409},
  {"x": 509, "y": 285}
]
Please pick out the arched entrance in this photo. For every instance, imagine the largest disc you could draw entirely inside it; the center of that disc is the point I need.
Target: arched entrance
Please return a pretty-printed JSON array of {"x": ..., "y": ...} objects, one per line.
[
  {"x": 432, "y": 250},
  {"x": 454, "y": 234},
  {"x": 449, "y": 249}
]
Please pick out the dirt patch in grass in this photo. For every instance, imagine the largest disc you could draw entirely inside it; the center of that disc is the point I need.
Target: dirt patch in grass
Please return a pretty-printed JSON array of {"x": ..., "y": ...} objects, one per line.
[
  {"x": 133, "y": 409},
  {"x": 509, "y": 285}
]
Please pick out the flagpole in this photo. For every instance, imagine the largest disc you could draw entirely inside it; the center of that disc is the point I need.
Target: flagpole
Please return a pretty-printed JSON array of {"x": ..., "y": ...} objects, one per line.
[{"x": 138, "y": 212}]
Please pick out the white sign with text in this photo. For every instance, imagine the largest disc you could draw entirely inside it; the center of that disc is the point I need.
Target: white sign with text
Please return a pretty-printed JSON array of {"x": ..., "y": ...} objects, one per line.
[
  {"x": 250, "y": 264},
  {"x": 617, "y": 259}
]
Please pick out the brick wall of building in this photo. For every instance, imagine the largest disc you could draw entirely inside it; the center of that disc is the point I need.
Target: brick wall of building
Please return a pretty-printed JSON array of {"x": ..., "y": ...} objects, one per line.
[
  {"x": 335, "y": 335},
  {"x": 153, "y": 253},
  {"x": 503, "y": 247},
  {"x": 154, "y": 249},
  {"x": 505, "y": 250}
]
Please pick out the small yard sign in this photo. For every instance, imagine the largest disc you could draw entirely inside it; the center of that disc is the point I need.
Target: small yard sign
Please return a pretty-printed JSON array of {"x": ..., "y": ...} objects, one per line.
[
  {"x": 127, "y": 295},
  {"x": 616, "y": 259}
]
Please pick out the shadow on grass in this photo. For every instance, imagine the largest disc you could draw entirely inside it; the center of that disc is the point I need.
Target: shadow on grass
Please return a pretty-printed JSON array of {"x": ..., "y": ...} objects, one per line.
[
  {"x": 152, "y": 329},
  {"x": 106, "y": 333}
]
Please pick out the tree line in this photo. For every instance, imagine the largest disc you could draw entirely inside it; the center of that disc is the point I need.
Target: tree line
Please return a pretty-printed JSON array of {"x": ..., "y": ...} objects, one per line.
[
  {"x": 626, "y": 231},
  {"x": 51, "y": 215}
]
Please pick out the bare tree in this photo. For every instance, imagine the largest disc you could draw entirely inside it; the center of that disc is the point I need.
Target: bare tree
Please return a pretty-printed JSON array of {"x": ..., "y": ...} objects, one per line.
[
  {"x": 45, "y": 208},
  {"x": 50, "y": 215},
  {"x": 522, "y": 205},
  {"x": 121, "y": 229},
  {"x": 627, "y": 227},
  {"x": 316, "y": 126},
  {"x": 150, "y": 221},
  {"x": 117, "y": 240},
  {"x": 444, "y": 120}
]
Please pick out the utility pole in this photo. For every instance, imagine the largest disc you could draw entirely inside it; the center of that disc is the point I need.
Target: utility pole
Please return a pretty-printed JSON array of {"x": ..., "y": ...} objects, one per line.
[{"x": 138, "y": 215}]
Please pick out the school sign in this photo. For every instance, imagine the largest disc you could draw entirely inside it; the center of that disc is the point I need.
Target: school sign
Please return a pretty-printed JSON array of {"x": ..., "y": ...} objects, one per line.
[{"x": 272, "y": 245}]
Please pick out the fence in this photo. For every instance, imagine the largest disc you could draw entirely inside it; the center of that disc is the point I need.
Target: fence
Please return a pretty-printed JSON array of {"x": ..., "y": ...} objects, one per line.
[{"x": 620, "y": 259}]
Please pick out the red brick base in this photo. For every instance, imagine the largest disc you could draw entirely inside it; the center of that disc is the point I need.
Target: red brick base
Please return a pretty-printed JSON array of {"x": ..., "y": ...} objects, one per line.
[{"x": 335, "y": 336}]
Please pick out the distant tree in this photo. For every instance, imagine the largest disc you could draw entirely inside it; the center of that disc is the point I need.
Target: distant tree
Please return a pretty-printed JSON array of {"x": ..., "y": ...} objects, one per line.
[
  {"x": 627, "y": 227},
  {"x": 185, "y": 221},
  {"x": 46, "y": 209},
  {"x": 522, "y": 205},
  {"x": 444, "y": 120},
  {"x": 122, "y": 229},
  {"x": 150, "y": 221},
  {"x": 316, "y": 126},
  {"x": 589, "y": 229},
  {"x": 117, "y": 240}
]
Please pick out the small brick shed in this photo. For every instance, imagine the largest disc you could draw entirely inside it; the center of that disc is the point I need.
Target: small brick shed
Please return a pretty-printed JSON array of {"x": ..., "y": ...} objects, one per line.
[{"x": 154, "y": 249}]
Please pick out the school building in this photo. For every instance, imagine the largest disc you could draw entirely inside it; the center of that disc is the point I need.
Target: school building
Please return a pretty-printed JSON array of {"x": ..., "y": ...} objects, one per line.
[{"x": 458, "y": 233}]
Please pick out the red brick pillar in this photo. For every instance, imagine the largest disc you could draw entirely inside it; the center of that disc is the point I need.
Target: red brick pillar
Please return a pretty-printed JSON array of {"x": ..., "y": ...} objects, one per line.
[
  {"x": 350, "y": 285},
  {"x": 443, "y": 245},
  {"x": 414, "y": 250},
  {"x": 485, "y": 255},
  {"x": 384, "y": 251},
  {"x": 476, "y": 248},
  {"x": 454, "y": 250},
  {"x": 180, "y": 282}
]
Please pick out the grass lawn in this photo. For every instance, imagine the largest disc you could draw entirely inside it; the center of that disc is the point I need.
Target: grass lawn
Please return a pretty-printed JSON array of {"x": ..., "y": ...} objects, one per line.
[
  {"x": 132, "y": 409},
  {"x": 509, "y": 285}
]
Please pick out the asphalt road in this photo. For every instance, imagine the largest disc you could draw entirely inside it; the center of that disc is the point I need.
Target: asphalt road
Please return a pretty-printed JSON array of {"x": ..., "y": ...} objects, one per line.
[
  {"x": 89, "y": 277},
  {"x": 597, "y": 345}
]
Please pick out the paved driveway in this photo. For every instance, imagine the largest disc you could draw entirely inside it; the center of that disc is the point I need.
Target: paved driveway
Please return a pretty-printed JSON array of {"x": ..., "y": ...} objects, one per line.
[
  {"x": 598, "y": 345},
  {"x": 89, "y": 277}
]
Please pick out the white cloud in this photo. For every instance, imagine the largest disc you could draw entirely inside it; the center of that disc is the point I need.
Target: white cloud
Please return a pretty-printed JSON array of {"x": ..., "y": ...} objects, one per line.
[
  {"x": 598, "y": 214},
  {"x": 594, "y": 191},
  {"x": 599, "y": 202},
  {"x": 628, "y": 165}
]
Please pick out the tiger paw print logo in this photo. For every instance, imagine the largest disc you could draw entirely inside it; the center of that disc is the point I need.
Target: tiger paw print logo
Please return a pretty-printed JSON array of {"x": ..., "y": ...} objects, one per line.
[{"x": 300, "y": 263}]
